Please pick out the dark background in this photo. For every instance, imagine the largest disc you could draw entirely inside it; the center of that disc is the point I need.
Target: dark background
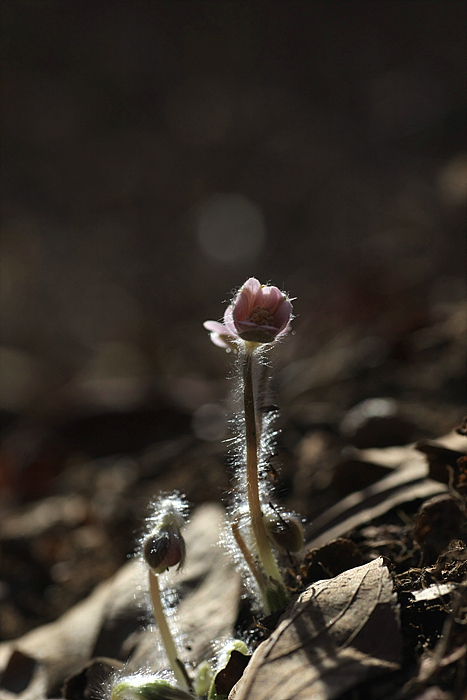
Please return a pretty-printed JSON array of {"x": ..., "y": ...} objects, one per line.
[
  {"x": 155, "y": 155},
  {"x": 327, "y": 137}
]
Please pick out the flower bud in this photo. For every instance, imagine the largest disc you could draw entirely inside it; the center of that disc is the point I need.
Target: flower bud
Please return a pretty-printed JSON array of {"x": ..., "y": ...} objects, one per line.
[
  {"x": 284, "y": 531},
  {"x": 164, "y": 549},
  {"x": 163, "y": 546}
]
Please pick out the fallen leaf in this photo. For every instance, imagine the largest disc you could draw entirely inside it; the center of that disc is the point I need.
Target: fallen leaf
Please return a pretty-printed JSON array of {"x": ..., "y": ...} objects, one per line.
[
  {"x": 338, "y": 633},
  {"x": 407, "y": 483}
]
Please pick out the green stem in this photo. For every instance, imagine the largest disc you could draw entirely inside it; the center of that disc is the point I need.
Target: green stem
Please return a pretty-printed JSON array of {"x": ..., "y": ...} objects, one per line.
[
  {"x": 259, "y": 531},
  {"x": 167, "y": 639}
]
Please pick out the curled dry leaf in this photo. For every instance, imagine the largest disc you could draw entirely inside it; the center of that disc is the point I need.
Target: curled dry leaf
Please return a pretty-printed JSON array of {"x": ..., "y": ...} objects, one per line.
[{"x": 338, "y": 633}]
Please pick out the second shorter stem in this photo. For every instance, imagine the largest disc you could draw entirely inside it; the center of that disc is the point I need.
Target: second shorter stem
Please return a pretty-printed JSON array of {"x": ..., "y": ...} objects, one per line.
[
  {"x": 257, "y": 574},
  {"x": 177, "y": 666}
]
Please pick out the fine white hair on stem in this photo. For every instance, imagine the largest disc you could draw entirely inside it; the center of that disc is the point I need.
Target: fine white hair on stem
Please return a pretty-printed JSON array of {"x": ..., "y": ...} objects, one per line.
[
  {"x": 238, "y": 536},
  {"x": 266, "y": 433}
]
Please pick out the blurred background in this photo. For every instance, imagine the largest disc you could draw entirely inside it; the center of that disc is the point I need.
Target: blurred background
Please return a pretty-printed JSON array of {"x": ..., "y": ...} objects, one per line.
[{"x": 155, "y": 155}]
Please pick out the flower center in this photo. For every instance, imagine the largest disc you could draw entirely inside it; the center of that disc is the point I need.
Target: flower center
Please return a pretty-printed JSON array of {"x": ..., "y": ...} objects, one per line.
[{"x": 260, "y": 316}]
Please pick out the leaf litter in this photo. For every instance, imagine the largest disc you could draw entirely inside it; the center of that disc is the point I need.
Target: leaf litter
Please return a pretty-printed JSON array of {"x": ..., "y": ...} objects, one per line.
[{"x": 391, "y": 556}]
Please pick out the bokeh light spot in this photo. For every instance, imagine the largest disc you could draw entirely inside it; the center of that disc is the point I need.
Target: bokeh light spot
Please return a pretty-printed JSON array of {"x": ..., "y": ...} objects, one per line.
[{"x": 230, "y": 227}]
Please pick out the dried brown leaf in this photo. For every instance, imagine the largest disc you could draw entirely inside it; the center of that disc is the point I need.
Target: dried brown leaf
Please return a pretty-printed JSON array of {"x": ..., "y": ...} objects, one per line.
[
  {"x": 338, "y": 633},
  {"x": 407, "y": 483}
]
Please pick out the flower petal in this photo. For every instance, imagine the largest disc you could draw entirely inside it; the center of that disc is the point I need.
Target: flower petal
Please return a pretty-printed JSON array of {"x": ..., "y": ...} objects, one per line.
[
  {"x": 215, "y": 327},
  {"x": 220, "y": 340},
  {"x": 282, "y": 314},
  {"x": 251, "y": 286},
  {"x": 229, "y": 322},
  {"x": 269, "y": 297},
  {"x": 241, "y": 306}
]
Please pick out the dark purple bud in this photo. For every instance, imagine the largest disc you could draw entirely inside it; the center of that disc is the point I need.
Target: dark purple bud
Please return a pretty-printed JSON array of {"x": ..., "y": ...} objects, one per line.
[{"x": 163, "y": 549}]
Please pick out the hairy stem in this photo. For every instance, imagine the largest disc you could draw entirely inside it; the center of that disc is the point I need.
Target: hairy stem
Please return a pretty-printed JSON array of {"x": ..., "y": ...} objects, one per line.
[
  {"x": 177, "y": 666},
  {"x": 259, "y": 531}
]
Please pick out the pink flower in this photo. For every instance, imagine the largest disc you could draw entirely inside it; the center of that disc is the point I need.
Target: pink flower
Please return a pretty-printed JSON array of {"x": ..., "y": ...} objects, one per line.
[{"x": 259, "y": 314}]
